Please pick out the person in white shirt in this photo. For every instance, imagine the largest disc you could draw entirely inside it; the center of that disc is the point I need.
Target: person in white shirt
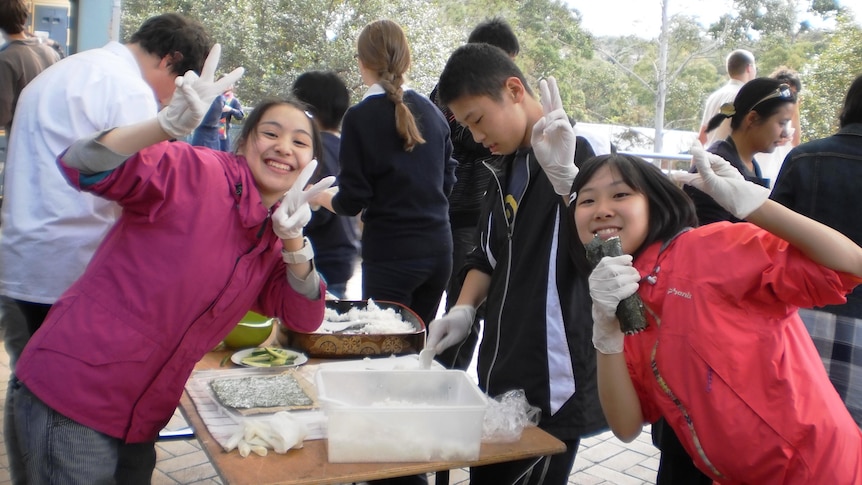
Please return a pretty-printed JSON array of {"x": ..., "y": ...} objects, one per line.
[
  {"x": 740, "y": 69},
  {"x": 49, "y": 230}
]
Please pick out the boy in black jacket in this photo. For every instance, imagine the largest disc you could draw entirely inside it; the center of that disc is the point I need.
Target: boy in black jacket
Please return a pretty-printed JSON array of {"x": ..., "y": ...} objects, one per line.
[
  {"x": 465, "y": 201},
  {"x": 537, "y": 334}
]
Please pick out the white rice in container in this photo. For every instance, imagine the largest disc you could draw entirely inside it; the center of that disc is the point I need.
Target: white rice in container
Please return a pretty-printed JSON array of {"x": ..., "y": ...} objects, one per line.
[{"x": 376, "y": 320}]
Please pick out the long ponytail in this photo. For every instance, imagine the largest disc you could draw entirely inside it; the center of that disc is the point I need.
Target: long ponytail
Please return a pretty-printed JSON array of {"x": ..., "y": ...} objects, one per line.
[{"x": 383, "y": 48}]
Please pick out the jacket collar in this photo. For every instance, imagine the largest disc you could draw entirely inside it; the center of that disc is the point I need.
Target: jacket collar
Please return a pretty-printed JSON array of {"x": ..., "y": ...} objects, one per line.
[
  {"x": 647, "y": 261},
  {"x": 248, "y": 200},
  {"x": 376, "y": 90},
  {"x": 854, "y": 129}
]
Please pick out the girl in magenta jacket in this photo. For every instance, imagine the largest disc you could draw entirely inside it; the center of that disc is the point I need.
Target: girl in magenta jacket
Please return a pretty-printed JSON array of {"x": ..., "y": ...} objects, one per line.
[
  {"x": 725, "y": 358},
  {"x": 204, "y": 236}
]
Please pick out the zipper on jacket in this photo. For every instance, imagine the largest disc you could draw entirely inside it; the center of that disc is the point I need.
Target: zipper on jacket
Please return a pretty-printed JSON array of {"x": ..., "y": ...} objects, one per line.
[
  {"x": 500, "y": 313},
  {"x": 510, "y": 228},
  {"x": 263, "y": 225},
  {"x": 259, "y": 234},
  {"x": 680, "y": 407}
]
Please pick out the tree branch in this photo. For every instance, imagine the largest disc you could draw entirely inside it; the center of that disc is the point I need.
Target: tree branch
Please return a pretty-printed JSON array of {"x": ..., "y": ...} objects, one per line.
[{"x": 613, "y": 60}]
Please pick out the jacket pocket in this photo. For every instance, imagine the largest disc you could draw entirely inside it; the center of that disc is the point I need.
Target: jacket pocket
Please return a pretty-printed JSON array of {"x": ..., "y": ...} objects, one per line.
[{"x": 88, "y": 332}]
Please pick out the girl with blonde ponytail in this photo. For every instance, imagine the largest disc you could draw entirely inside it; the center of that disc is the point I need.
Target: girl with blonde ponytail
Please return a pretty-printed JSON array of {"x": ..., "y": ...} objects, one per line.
[{"x": 397, "y": 170}]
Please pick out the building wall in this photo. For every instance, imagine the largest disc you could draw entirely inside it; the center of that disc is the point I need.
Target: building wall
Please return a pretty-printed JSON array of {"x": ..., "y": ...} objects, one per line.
[
  {"x": 91, "y": 23},
  {"x": 98, "y": 21}
]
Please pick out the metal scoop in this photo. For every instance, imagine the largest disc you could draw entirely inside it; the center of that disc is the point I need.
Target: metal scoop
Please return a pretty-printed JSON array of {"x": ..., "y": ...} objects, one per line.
[{"x": 339, "y": 327}]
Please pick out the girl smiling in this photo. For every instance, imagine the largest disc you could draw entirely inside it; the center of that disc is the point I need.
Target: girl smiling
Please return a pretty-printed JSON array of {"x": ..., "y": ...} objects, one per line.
[
  {"x": 725, "y": 358},
  {"x": 197, "y": 245}
]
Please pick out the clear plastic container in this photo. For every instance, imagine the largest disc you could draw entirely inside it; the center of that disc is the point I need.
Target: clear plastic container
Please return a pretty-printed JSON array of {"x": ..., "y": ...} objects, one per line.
[{"x": 401, "y": 415}]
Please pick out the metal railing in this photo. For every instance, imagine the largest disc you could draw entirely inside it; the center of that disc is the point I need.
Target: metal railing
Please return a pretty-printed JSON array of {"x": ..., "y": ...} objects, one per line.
[{"x": 664, "y": 161}]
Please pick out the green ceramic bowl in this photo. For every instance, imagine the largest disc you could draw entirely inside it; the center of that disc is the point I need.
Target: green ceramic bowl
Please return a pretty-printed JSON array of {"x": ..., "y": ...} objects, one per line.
[{"x": 251, "y": 331}]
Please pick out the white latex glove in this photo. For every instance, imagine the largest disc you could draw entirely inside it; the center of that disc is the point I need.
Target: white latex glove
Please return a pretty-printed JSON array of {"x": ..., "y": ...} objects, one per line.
[
  {"x": 324, "y": 197},
  {"x": 279, "y": 432},
  {"x": 194, "y": 95},
  {"x": 450, "y": 329},
  {"x": 553, "y": 139},
  {"x": 720, "y": 180},
  {"x": 294, "y": 212},
  {"x": 613, "y": 280}
]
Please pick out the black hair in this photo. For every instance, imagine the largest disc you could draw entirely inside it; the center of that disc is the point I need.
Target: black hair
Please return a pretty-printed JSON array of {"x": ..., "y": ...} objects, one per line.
[
  {"x": 13, "y": 16},
  {"x": 670, "y": 209},
  {"x": 185, "y": 40},
  {"x": 477, "y": 70},
  {"x": 497, "y": 32},
  {"x": 326, "y": 95},
  {"x": 787, "y": 76},
  {"x": 253, "y": 120},
  {"x": 751, "y": 98},
  {"x": 852, "y": 110}
]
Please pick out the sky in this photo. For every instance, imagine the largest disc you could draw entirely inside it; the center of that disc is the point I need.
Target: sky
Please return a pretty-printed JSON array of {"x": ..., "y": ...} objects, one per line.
[{"x": 643, "y": 17}]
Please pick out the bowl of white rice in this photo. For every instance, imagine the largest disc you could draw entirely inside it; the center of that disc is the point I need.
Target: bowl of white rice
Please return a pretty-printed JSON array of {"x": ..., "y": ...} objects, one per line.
[{"x": 359, "y": 328}]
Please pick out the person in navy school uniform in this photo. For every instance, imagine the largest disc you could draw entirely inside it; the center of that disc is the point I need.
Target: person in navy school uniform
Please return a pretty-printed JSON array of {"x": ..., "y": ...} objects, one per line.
[
  {"x": 335, "y": 238},
  {"x": 760, "y": 117},
  {"x": 397, "y": 169}
]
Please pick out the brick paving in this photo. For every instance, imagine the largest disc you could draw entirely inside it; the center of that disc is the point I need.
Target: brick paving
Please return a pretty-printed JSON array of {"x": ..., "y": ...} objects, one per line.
[{"x": 601, "y": 459}]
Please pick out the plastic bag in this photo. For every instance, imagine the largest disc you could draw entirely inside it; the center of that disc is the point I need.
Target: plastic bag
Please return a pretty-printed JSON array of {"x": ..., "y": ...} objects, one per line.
[
  {"x": 279, "y": 432},
  {"x": 506, "y": 417}
]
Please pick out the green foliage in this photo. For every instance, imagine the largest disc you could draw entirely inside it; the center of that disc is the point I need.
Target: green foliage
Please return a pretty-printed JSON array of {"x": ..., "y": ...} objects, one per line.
[
  {"x": 606, "y": 80},
  {"x": 689, "y": 76},
  {"x": 276, "y": 40},
  {"x": 775, "y": 51},
  {"x": 755, "y": 18},
  {"x": 605, "y": 96},
  {"x": 686, "y": 95},
  {"x": 552, "y": 41},
  {"x": 826, "y": 79}
]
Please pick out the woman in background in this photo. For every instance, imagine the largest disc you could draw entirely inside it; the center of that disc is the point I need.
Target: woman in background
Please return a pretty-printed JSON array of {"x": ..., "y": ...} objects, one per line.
[
  {"x": 397, "y": 170},
  {"x": 760, "y": 118}
]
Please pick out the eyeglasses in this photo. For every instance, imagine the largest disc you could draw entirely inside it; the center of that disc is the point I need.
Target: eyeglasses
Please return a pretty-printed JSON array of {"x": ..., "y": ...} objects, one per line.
[{"x": 783, "y": 91}]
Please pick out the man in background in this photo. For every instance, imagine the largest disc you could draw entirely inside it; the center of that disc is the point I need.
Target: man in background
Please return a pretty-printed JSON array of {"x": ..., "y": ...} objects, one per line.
[
  {"x": 740, "y": 69},
  {"x": 21, "y": 59}
]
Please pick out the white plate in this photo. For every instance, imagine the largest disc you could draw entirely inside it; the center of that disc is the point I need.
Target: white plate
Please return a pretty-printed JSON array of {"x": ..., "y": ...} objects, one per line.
[{"x": 237, "y": 357}]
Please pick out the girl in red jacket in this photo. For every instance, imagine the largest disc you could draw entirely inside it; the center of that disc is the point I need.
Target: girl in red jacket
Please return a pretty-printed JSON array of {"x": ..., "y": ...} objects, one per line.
[{"x": 724, "y": 358}]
